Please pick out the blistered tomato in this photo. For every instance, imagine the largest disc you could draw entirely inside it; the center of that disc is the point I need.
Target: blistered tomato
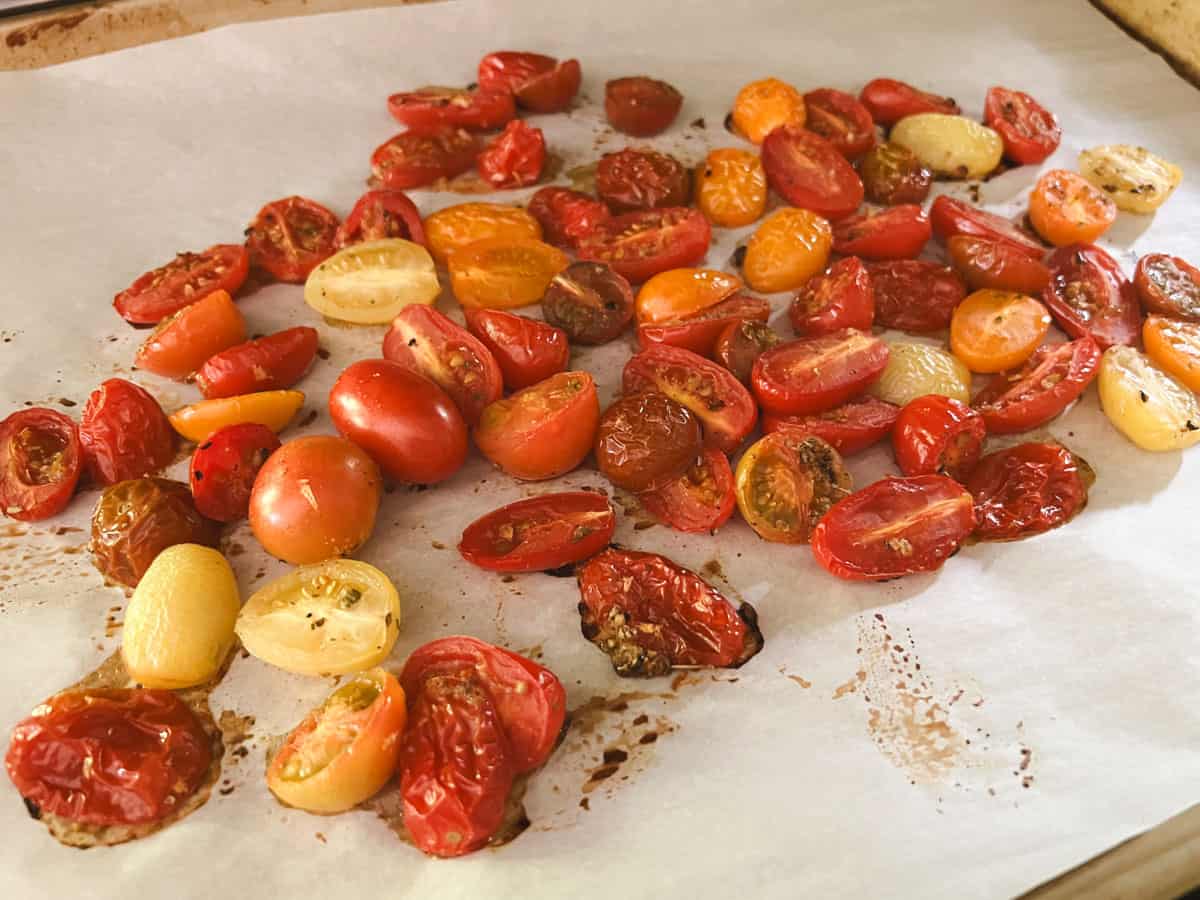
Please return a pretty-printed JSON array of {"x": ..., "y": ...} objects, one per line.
[
  {"x": 1066, "y": 208},
  {"x": 499, "y": 273},
  {"x": 762, "y": 106},
  {"x": 1146, "y": 404},
  {"x": 992, "y": 331},
  {"x": 454, "y": 227},
  {"x": 679, "y": 293},
  {"x": 788, "y": 248},
  {"x": 731, "y": 188}
]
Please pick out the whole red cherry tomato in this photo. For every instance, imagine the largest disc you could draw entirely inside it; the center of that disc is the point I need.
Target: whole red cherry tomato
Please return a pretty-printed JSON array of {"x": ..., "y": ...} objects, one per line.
[
  {"x": 1027, "y": 489},
  {"x": 566, "y": 216},
  {"x": 291, "y": 237},
  {"x": 646, "y": 439},
  {"x": 1089, "y": 296},
  {"x": 699, "y": 501},
  {"x": 515, "y": 157},
  {"x": 915, "y": 295},
  {"x": 639, "y": 245},
  {"x": 889, "y": 101},
  {"x": 848, "y": 428},
  {"x": 641, "y": 106},
  {"x": 431, "y": 110},
  {"x": 632, "y": 179},
  {"x": 590, "y": 302},
  {"x": 840, "y": 119},
  {"x": 699, "y": 331},
  {"x": 545, "y": 532},
  {"x": 811, "y": 375},
  {"x": 41, "y": 458},
  {"x": 378, "y": 215},
  {"x": 124, "y": 433},
  {"x": 527, "y": 350},
  {"x": 224, "y": 467},
  {"x": 896, "y": 232},
  {"x": 413, "y": 160},
  {"x": 950, "y": 216},
  {"x": 187, "y": 279},
  {"x": 539, "y": 83},
  {"x": 1043, "y": 387},
  {"x": 1169, "y": 286},
  {"x": 271, "y": 363},
  {"x": 841, "y": 297},
  {"x": 809, "y": 172},
  {"x": 987, "y": 264},
  {"x": 936, "y": 434},
  {"x": 1029, "y": 130}
]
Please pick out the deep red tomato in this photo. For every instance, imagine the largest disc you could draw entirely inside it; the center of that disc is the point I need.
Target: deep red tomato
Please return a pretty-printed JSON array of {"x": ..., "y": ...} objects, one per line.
[
  {"x": 1169, "y": 286},
  {"x": 1025, "y": 490},
  {"x": 632, "y": 179},
  {"x": 895, "y": 232},
  {"x": 811, "y": 375},
  {"x": 540, "y": 83},
  {"x": 124, "y": 433},
  {"x": 639, "y": 245},
  {"x": 893, "y": 174},
  {"x": 808, "y": 172},
  {"x": 1043, "y": 387},
  {"x": 291, "y": 237},
  {"x": 109, "y": 757},
  {"x": 848, "y": 428},
  {"x": 699, "y": 501},
  {"x": 936, "y": 434},
  {"x": 987, "y": 264},
  {"x": 271, "y": 363},
  {"x": 699, "y": 331},
  {"x": 1029, "y": 130},
  {"x": 41, "y": 458},
  {"x": 181, "y": 343},
  {"x": 566, "y": 216},
  {"x": 414, "y": 160},
  {"x": 430, "y": 110},
  {"x": 646, "y": 439},
  {"x": 187, "y": 279},
  {"x": 1089, "y": 296},
  {"x": 841, "y": 297},
  {"x": 590, "y": 302},
  {"x": 515, "y": 157},
  {"x": 378, "y": 215},
  {"x": 720, "y": 401},
  {"x": 546, "y": 532},
  {"x": 741, "y": 343},
  {"x": 650, "y": 614},
  {"x": 428, "y": 343},
  {"x": 950, "y": 217},
  {"x": 641, "y": 106},
  {"x": 889, "y": 101},
  {"x": 894, "y": 527},
  {"x": 224, "y": 467},
  {"x": 915, "y": 295},
  {"x": 527, "y": 350},
  {"x": 840, "y": 119}
]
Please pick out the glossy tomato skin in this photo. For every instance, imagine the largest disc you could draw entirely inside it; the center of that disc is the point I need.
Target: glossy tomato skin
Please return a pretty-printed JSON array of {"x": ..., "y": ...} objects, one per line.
[
  {"x": 950, "y": 216},
  {"x": 545, "y": 532},
  {"x": 1030, "y": 131},
  {"x": 41, "y": 459},
  {"x": 938, "y": 435},
  {"x": 379, "y": 215},
  {"x": 109, "y": 757},
  {"x": 849, "y": 428},
  {"x": 646, "y": 439},
  {"x": 515, "y": 157},
  {"x": 741, "y": 343},
  {"x": 811, "y": 375},
  {"x": 840, "y": 119},
  {"x": 413, "y": 160},
  {"x": 898, "y": 232},
  {"x": 291, "y": 237},
  {"x": 681, "y": 293},
  {"x": 1026, "y": 490},
  {"x": 888, "y": 101},
  {"x": 699, "y": 501},
  {"x": 785, "y": 482},
  {"x": 699, "y": 332},
  {"x": 915, "y": 295},
  {"x": 1089, "y": 296},
  {"x": 809, "y": 172},
  {"x": 183, "y": 341},
  {"x": 591, "y": 302},
  {"x": 527, "y": 350},
  {"x": 639, "y": 245},
  {"x": 1168, "y": 286},
  {"x": 124, "y": 433},
  {"x": 432, "y": 110},
  {"x": 641, "y": 106},
  {"x": 892, "y": 174},
  {"x": 840, "y": 297},
  {"x": 271, "y": 363},
  {"x": 1049, "y": 381},
  {"x": 632, "y": 179},
  {"x": 224, "y": 467},
  {"x": 539, "y": 83},
  {"x": 566, "y": 216},
  {"x": 987, "y": 264},
  {"x": 187, "y": 279}
]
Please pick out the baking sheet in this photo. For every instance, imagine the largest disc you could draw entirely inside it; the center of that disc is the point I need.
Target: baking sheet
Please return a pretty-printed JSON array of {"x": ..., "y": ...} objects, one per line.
[{"x": 969, "y": 733}]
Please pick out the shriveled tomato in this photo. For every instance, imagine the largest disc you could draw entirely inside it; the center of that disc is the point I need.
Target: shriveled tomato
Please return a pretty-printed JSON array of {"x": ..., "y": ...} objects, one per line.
[
  {"x": 650, "y": 615},
  {"x": 639, "y": 245},
  {"x": 633, "y": 179},
  {"x": 589, "y": 301},
  {"x": 848, "y": 428},
  {"x": 1089, "y": 295},
  {"x": 915, "y": 295},
  {"x": 183, "y": 341},
  {"x": 1169, "y": 286},
  {"x": 987, "y": 264},
  {"x": 415, "y": 160},
  {"x": 699, "y": 501},
  {"x": 1029, "y": 130},
  {"x": 788, "y": 248},
  {"x": 894, "y": 527},
  {"x": 566, "y": 216},
  {"x": 762, "y": 106},
  {"x": 271, "y": 363},
  {"x": 199, "y": 421},
  {"x": 432, "y": 110},
  {"x": 840, "y": 119},
  {"x": 936, "y": 434},
  {"x": 897, "y": 232},
  {"x": 1175, "y": 347},
  {"x": 544, "y": 430},
  {"x": 1043, "y": 387},
  {"x": 992, "y": 331},
  {"x": 515, "y": 157},
  {"x": 951, "y": 217},
  {"x": 378, "y": 215},
  {"x": 785, "y": 482},
  {"x": 641, "y": 106},
  {"x": 699, "y": 331},
  {"x": 224, "y": 467},
  {"x": 740, "y": 343},
  {"x": 679, "y": 293},
  {"x": 455, "y": 227},
  {"x": 1026, "y": 490},
  {"x": 646, "y": 439},
  {"x": 1066, "y": 208},
  {"x": 731, "y": 187},
  {"x": 499, "y": 273},
  {"x": 811, "y": 375},
  {"x": 527, "y": 350},
  {"x": 889, "y": 101},
  {"x": 841, "y": 297},
  {"x": 808, "y": 172},
  {"x": 291, "y": 237},
  {"x": 187, "y": 279},
  {"x": 720, "y": 401},
  {"x": 539, "y": 83},
  {"x": 545, "y": 532},
  {"x": 124, "y": 433},
  {"x": 41, "y": 458},
  {"x": 892, "y": 174}
]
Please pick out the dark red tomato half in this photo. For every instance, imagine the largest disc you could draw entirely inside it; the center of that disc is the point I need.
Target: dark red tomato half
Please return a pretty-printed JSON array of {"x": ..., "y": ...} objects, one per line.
[
  {"x": 1089, "y": 296},
  {"x": 527, "y": 350},
  {"x": 699, "y": 501},
  {"x": 1043, "y": 387},
  {"x": 888, "y": 101},
  {"x": 699, "y": 332},
  {"x": 566, "y": 216},
  {"x": 271, "y": 363},
  {"x": 541, "y": 533},
  {"x": 41, "y": 458},
  {"x": 812, "y": 375},
  {"x": 840, "y": 119},
  {"x": 808, "y": 172},
  {"x": 950, "y": 217},
  {"x": 1027, "y": 489},
  {"x": 187, "y": 279},
  {"x": 540, "y": 83},
  {"x": 632, "y": 179},
  {"x": 379, "y": 215},
  {"x": 515, "y": 157},
  {"x": 641, "y": 106},
  {"x": 849, "y": 428},
  {"x": 915, "y": 295},
  {"x": 291, "y": 237},
  {"x": 413, "y": 160},
  {"x": 124, "y": 432},
  {"x": 840, "y": 297},
  {"x": 895, "y": 232},
  {"x": 430, "y": 110},
  {"x": 741, "y": 343},
  {"x": 1029, "y": 130},
  {"x": 590, "y": 302},
  {"x": 1168, "y": 286},
  {"x": 224, "y": 467},
  {"x": 938, "y": 435},
  {"x": 639, "y": 245},
  {"x": 989, "y": 264}
]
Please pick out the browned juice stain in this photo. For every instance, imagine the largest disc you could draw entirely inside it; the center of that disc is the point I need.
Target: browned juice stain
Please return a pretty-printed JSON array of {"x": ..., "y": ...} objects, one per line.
[
  {"x": 851, "y": 686},
  {"x": 30, "y": 555},
  {"x": 803, "y": 682}
]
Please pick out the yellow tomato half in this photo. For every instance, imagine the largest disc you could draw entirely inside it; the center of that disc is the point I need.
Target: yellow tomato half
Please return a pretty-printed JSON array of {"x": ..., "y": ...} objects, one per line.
[{"x": 200, "y": 421}]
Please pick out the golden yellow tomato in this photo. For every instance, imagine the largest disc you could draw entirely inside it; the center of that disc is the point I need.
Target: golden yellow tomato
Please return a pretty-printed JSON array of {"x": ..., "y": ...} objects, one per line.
[{"x": 789, "y": 247}]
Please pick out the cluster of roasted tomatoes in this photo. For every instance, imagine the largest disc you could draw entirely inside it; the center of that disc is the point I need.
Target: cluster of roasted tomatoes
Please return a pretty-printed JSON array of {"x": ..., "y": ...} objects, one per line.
[{"x": 465, "y": 719}]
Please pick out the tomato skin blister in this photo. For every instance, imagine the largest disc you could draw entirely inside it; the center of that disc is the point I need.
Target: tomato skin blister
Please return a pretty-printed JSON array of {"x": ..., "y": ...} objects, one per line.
[{"x": 1026, "y": 490}]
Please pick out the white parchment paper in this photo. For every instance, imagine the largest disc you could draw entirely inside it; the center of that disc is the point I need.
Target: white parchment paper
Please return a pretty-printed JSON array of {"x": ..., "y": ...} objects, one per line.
[{"x": 969, "y": 733}]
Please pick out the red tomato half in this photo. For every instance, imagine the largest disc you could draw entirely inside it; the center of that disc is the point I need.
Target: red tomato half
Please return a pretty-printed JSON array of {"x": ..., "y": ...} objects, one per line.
[
  {"x": 527, "y": 350},
  {"x": 271, "y": 363},
  {"x": 291, "y": 237},
  {"x": 812, "y": 375},
  {"x": 895, "y": 232},
  {"x": 809, "y": 172},
  {"x": 987, "y": 264},
  {"x": 40, "y": 461},
  {"x": 1089, "y": 296},
  {"x": 840, "y": 119},
  {"x": 741, "y": 343},
  {"x": 840, "y": 297},
  {"x": 632, "y": 179},
  {"x": 1168, "y": 286},
  {"x": 566, "y": 216},
  {"x": 915, "y": 295},
  {"x": 124, "y": 433},
  {"x": 639, "y": 245},
  {"x": 894, "y": 527},
  {"x": 889, "y": 101},
  {"x": 1043, "y": 387},
  {"x": 546, "y": 532},
  {"x": 430, "y": 110},
  {"x": 849, "y": 428},
  {"x": 950, "y": 217},
  {"x": 1025, "y": 490},
  {"x": 938, "y": 435},
  {"x": 540, "y": 83},
  {"x": 515, "y": 157},
  {"x": 187, "y": 279},
  {"x": 379, "y": 215},
  {"x": 224, "y": 467},
  {"x": 1029, "y": 130},
  {"x": 699, "y": 332},
  {"x": 413, "y": 160},
  {"x": 699, "y": 501},
  {"x": 641, "y": 106}
]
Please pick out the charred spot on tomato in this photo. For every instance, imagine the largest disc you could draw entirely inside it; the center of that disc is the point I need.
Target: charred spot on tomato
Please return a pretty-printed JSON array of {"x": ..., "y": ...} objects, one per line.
[
  {"x": 753, "y": 641},
  {"x": 728, "y": 123},
  {"x": 618, "y": 637},
  {"x": 564, "y": 571},
  {"x": 739, "y": 256},
  {"x": 35, "y": 811}
]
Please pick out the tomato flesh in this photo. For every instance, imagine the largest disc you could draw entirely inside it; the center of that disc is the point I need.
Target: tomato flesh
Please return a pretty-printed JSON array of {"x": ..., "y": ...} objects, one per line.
[
  {"x": 840, "y": 119},
  {"x": 379, "y": 215},
  {"x": 786, "y": 482},
  {"x": 1026, "y": 490},
  {"x": 539, "y": 83},
  {"x": 224, "y": 467},
  {"x": 646, "y": 439},
  {"x": 699, "y": 501},
  {"x": 893, "y": 174},
  {"x": 641, "y": 106},
  {"x": 124, "y": 433},
  {"x": 1030, "y": 131},
  {"x": 841, "y": 297},
  {"x": 272, "y": 363},
  {"x": 1089, "y": 296},
  {"x": 182, "y": 342},
  {"x": 187, "y": 279},
  {"x": 632, "y": 179},
  {"x": 1043, "y": 387},
  {"x": 699, "y": 332},
  {"x": 590, "y": 302},
  {"x": 951, "y": 217},
  {"x": 1169, "y": 286},
  {"x": 431, "y": 110},
  {"x": 987, "y": 264},
  {"x": 742, "y": 342},
  {"x": 545, "y": 532},
  {"x": 915, "y": 295},
  {"x": 639, "y": 245},
  {"x": 809, "y": 172},
  {"x": 811, "y": 375},
  {"x": 412, "y": 160},
  {"x": 291, "y": 237},
  {"x": 41, "y": 459},
  {"x": 849, "y": 428},
  {"x": 515, "y": 157},
  {"x": 888, "y": 101},
  {"x": 898, "y": 232},
  {"x": 566, "y": 216},
  {"x": 938, "y": 435},
  {"x": 527, "y": 350}
]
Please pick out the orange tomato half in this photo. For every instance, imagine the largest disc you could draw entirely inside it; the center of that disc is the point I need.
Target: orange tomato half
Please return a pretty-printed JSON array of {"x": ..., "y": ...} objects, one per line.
[
  {"x": 678, "y": 293},
  {"x": 501, "y": 273},
  {"x": 1066, "y": 208},
  {"x": 184, "y": 342},
  {"x": 762, "y": 106},
  {"x": 731, "y": 187},
  {"x": 790, "y": 247},
  {"x": 993, "y": 331},
  {"x": 454, "y": 227},
  {"x": 199, "y": 421},
  {"x": 1175, "y": 346}
]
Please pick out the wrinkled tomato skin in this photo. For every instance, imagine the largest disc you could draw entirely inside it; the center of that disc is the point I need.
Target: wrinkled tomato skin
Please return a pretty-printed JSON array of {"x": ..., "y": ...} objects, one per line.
[
  {"x": 898, "y": 232},
  {"x": 412, "y": 160},
  {"x": 566, "y": 216},
  {"x": 1089, "y": 296},
  {"x": 630, "y": 180},
  {"x": 840, "y": 119},
  {"x": 741, "y": 343},
  {"x": 271, "y": 363},
  {"x": 545, "y": 532},
  {"x": 109, "y": 757},
  {"x": 808, "y": 172},
  {"x": 646, "y": 439},
  {"x": 291, "y": 237},
  {"x": 428, "y": 111},
  {"x": 187, "y": 279},
  {"x": 41, "y": 459},
  {"x": 849, "y": 428},
  {"x": 950, "y": 216},
  {"x": 639, "y": 245},
  {"x": 224, "y": 467},
  {"x": 590, "y": 302},
  {"x": 505, "y": 71},
  {"x": 515, "y": 157},
  {"x": 1030, "y": 131},
  {"x": 1168, "y": 286},
  {"x": 840, "y": 297},
  {"x": 641, "y": 106},
  {"x": 987, "y": 264},
  {"x": 699, "y": 501},
  {"x": 938, "y": 435},
  {"x": 527, "y": 351},
  {"x": 379, "y": 215},
  {"x": 700, "y": 331},
  {"x": 892, "y": 175},
  {"x": 1025, "y": 490},
  {"x": 124, "y": 433},
  {"x": 888, "y": 101},
  {"x": 914, "y": 295},
  {"x": 1049, "y": 381},
  {"x": 785, "y": 482},
  {"x": 539, "y": 83},
  {"x": 811, "y": 375}
]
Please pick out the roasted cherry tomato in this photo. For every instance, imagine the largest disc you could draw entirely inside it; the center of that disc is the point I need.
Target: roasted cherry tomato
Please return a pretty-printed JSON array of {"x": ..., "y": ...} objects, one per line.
[
  {"x": 914, "y": 370},
  {"x": 787, "y": 249},
  {"x": 740, "y": 343},
  {"x": 699, "y": 501},
  {"x": 892, "y": 174},
  {"x": 952, "y": 147},
  {"x": 987, "y": 264},
  {"x": 840, "y": 119},
  {"x": 183, "y": 341},
  {"x": 455, "y": 227},
  {"x": 894, "y": 527},
  {"x": 379, "y": 215},
  {"x": 199, "y": 421},
  {"x": 540, "y": 83},
  {"x": 641, "y": 106},
  {"x": 1169, "y": 286},
  {"x": 41, "y": 458},
  {"x": 1029, "y": 130},
  {"x": 566, "y": 216},
  {"x": 224, "y": 467},
  {"x": 415, "y": 160},
  {"x": 723, "y": 405},
  {"x": 638, "y": 245},
  {"x": 808, "y": 172},
  {"x": 646, "y": 439},
  {"x": 135, "y": 520},
  {"x": 951, "y": 217},
  {"x": 1027, "y": 489},
  {"x": 897, "y": 232},
  {"x": 124, "y": 433},
  {"x": 109, "y": 757},
  {"x": 632, "y": 179},
  {"x": 849, "y": 428},
  {"x": 699, "y": 331},
  {"x": 271, "y": 363},
  {"x": 1175, "y": 347},
  {"x": 515, "y": 157},
  {"x": 1089, "y": 295},
  {"x": 1147, "y": 405},
  {"x": 541, "y": 533},
  {"x": 811, "y": 375},
  {"x": 590, "y": 302},
  {"x": 936, "y": 434},
  {"x": 370, "y": 282},
  {"x": 1137, "y": 180},
  {"x": 993, "y": 331},
  {"x": 187, "y": 279},
  {"x": 1032, "y": 395},
  {"x": 1066, "y": 208},
  {"x": 290, "y": 237},
  {"x": 543, "y": 431},
  {"x": 499, "y": 273},
  {"x": 888, "y": 101},
  {"x": 785, "y": 482},
  {"x": 432, "y": 110},
  {"x": 915, "y": 295},
  {"x": 679, "y": 293},
  {"x": 527, "y": 350},
  {"x": 841, "y": 297},
  {"x": 762, "y": 106},
  {"x": 731, "y": 188}
]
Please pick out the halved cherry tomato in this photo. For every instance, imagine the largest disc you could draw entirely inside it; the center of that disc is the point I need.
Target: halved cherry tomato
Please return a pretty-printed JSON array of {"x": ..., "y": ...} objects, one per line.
[
  {"x": 500, "y": 273},
  {"x": 811, "y": 375},
  {"x": 41, "y": 458},
  {"x": 199, "y": 421},
  {"x": 762, "y": 106},
  {"x": 290, "y": 237},
  {"x": 431, "y": 110},
  {"x": 731, "y": 187},
  {"x": 540, "y": 83},
  {"x": 840, "y": 119},
  {"x": 808, "y": 172},
  {"x": 370, "y": 282},
  {"x": 699, "y": 501},
  {"x": 785, "y": 482},
  {"x": 646, "y": 439},
  {"x": 936, "y": 434},
  {"x": 1089, "y": 295},
  {"x": 993, "y": 331},
  {"x": 632, "y": 179},
  {"x": 1029, "y": 130},
  {"x": 589, "y": 301},
  {"x": 639, "y": 245},
  {"x": 183, "y": 341},
  {"x": 641, "y": 106},
  {"x": 841, "y": 297},
  {"x": 889, "y": 101},
  {"x": 719, "y": 400},
  {"x": 566, "y": 216},
  {"x": 650, "y": 615},
  {"x": 542, "y": 431},
  {"x": 1066, "y": 208},
  {"x": 849, "y": 428},
  {"x": 379, "y": 215},
  {"x": 897, "y": 232},
  {"x": 892, "y": 174},
  {"x": 1026, "y": 490},
  {"x": 527, "y": 350},
  {"x": 679, "y": 293},
  {"x": 742, "y": 342},
  {"x": 951, "y": 217},
  {"x": 788, "y": 248},
  {"x": 187, "y": 279},
  {"x": 915, "y": 295},
  {"x": 1146, "y": 404},
  {"x": 124, "y": 433},
  {"x": 1175, "y": 347},
  {"x": 1169, "y": 286},
  {"x": 271, "y": 363},
  {"x": 545, "y": 532},
  {"x": 224, "y": 467},
  {"x": 515, "y": 157},
  {"x": 987, "y": 264},
  {"x": 699, "y": 331},
  {"x": 415, "y": 160},
  {"x": 455, "y": 227},
  {"x": 1034, "y": 394},
  {"x": 914, "y": 370}
]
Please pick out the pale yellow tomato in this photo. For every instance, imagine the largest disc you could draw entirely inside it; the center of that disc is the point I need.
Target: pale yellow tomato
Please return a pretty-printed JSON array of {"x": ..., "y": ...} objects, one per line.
[
  {"x": 914, "y": 370},
  {"x": 1146, "y": 404},
  {"x": 369, "y": 283},
  {"x": 952, "y": 146},
  {"x": 1137, "y": 180}
]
